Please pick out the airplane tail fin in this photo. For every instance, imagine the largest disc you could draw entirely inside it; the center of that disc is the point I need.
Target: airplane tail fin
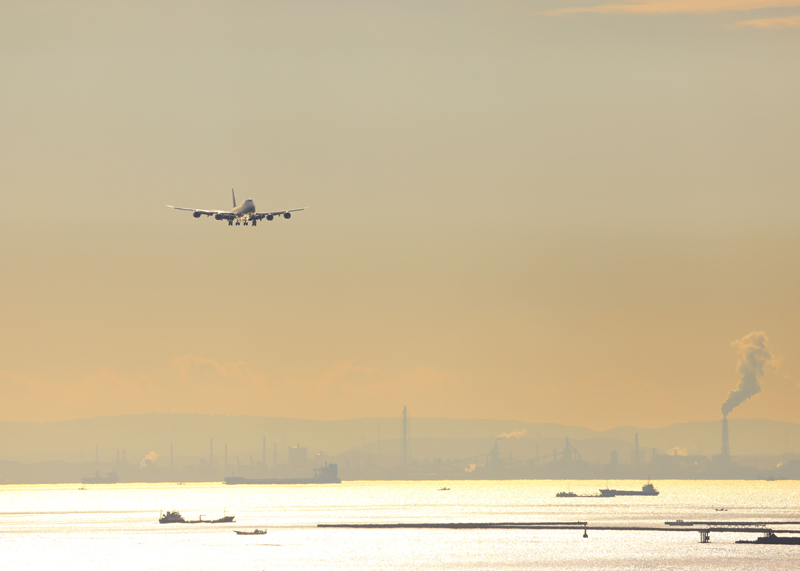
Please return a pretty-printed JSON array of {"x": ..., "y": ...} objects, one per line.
[{"x": 234, "y": 198}]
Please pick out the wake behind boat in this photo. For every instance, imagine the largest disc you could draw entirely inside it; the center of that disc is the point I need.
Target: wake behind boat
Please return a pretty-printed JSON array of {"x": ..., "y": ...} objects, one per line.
[{"x": 176, "y": 517}]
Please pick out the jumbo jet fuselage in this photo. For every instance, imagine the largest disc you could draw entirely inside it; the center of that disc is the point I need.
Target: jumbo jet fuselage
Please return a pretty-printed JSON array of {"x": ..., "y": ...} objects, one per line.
[{"x": 245, "y": 208}]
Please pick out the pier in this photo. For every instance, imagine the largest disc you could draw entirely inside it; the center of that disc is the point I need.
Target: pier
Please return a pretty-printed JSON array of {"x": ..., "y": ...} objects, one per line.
[{"x": 704, "y": 528}]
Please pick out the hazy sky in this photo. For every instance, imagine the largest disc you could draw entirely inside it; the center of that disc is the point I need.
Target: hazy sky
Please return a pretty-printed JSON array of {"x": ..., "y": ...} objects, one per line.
[{"x": 552, "y": 211}]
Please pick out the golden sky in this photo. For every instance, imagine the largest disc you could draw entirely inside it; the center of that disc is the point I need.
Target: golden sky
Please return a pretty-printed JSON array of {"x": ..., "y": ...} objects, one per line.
[{"x": 550, "y": 211}]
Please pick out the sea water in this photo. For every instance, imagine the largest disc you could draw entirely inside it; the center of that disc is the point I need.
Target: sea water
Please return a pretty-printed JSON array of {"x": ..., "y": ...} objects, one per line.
[{"x": 115, "y": 526}]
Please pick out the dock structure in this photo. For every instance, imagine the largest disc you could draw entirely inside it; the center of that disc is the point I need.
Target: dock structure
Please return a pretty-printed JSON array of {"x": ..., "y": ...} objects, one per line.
[
  {"x": 463, "y": 525},
  {"x": 681, "y": 523},
  {"x": 704, "y": 528}
]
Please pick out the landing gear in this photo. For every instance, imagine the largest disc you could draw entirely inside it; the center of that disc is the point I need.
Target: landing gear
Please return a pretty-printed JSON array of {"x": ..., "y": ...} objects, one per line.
[
  {"x": 245, "y": 222},
  {"x": 254, "y": 222},
  {"x": 230, "y": 222},
  {"x": 237, "y": 222}
]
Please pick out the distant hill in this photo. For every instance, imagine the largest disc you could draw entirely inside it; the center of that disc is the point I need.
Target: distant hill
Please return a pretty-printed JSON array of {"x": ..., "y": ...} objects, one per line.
[{"x": 138, "y": 435}]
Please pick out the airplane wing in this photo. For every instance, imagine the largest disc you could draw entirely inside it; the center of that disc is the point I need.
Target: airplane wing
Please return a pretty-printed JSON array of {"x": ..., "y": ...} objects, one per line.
[
  {"x": 218, "y": 214},
  {"x": 278, "y": 213}
]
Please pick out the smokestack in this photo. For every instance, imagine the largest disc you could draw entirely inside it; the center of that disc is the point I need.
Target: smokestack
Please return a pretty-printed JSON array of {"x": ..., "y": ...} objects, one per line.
[
  {"x": 171, "y": 459},
  {"x": 275, "y": 453},
  {"x": 636, "y": 449},
  {"x": 264, "y": 451},
  {"x": 405, "y": 437},
  {"x": 726, "y": 448},
  {"x": 211, "y": 454},
  {"x": 96, "y": 454},
  {"x": 226, "y": 456}
]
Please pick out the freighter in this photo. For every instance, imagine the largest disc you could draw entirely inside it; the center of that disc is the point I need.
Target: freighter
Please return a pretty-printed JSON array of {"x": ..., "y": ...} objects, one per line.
[
  {"x": 647, "y": 490},
  {"x": 328, "y": 474},
  {"x": 176, "y": 517},
  {"x": 110, "y": 478}
]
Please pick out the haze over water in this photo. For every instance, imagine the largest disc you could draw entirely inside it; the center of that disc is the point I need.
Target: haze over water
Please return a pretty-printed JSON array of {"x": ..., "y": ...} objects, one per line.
[
  {"x": 116, "y": 526},
  {"x": 562, "y": 212}
]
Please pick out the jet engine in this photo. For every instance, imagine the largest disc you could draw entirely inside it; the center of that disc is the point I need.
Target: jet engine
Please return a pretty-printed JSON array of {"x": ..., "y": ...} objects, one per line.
[
  {"x": 218, "y": 217},
  {"x": 270, "y": 217},
  {"x": 196, "y": 214},
  {"x": 287, "y": 215}
]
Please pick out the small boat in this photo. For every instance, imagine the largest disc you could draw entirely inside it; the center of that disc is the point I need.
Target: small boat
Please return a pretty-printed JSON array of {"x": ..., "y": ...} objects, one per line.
[
  {"x": 445, "y": 489},
  {"x": 566, "y": 495},
  {"x": 254, "y": 532}
]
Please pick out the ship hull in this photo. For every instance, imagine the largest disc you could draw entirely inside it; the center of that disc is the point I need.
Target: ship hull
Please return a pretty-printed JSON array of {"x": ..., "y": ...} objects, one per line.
[{"x": 279, "y": 481}]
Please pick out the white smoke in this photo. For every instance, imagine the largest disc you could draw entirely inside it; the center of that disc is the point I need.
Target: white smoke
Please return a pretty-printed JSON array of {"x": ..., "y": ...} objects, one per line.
[
  {"x": 677, "y": 451},
  {"x": 149, "y": 459},
  {"x": 754, "y": 357},
  {"x": 516, "y": 433}
]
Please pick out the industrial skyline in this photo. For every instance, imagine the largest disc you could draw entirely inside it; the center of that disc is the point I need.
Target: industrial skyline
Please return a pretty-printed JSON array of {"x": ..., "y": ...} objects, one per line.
[{"x": 172, "y": 448}]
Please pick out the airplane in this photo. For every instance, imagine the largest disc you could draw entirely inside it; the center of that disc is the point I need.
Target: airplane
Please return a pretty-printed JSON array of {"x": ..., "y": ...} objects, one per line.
[{"x": 244, "y": 213}]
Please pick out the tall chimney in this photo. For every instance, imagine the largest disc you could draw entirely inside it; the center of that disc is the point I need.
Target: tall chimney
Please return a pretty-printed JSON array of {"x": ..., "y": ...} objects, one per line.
[
  {"x": 264, "y": 451},
  {"x": 636, "y": 451},
  {"x": 171, "y": 459},
  {"x": 211, "y": 454},
  {"x": 726, "y": 447}
]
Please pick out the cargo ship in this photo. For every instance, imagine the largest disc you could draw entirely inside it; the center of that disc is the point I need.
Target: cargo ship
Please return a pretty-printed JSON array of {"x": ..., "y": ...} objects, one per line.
[
  {"x": 328, "y": 474},
  {"x": 110, "y": 478},
  {"x": 647, "y": 490},
  {"x": 176, "y": 517}
]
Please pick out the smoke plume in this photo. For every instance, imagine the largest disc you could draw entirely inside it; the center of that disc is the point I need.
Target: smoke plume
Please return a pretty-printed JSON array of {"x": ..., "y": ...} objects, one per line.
[
  {"x": 149, "y": 459},
  {"x": 516, "y": 433},
  {"x": 754, "y": 357}
]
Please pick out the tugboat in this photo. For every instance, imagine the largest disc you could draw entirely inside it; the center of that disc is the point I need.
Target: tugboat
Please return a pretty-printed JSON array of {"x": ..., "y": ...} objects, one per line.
[
  {"x": 176, "y": 517},
  {"x": 647, "y": 490},
  {"x": 171, "y": 517}
]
